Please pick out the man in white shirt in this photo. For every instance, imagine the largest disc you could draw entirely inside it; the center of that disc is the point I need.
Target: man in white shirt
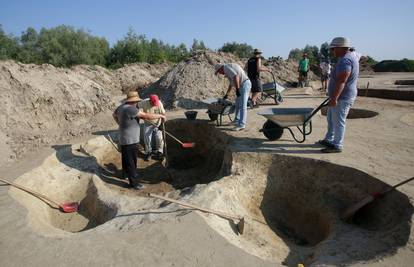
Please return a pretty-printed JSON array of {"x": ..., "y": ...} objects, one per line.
[
  {"x": 238, "y": 80},
  {"x": 325, "y": 72},
  {"x": 152, "y": 105}
]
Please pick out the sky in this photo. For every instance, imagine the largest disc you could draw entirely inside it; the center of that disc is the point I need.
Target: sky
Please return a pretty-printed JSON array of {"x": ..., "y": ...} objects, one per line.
[{"x": 381, "y": 29}]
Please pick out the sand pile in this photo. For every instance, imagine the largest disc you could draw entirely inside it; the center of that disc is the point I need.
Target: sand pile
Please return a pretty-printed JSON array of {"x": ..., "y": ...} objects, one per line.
[
  {"x": 42, "y": 104},
  {"x": 193, "y": 80}
]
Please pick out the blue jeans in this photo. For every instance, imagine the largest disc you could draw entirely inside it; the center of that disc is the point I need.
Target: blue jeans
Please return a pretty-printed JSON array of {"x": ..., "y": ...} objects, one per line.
[
  {"x": 241, "y": 104},
  {"x": 336, "y": 118}
]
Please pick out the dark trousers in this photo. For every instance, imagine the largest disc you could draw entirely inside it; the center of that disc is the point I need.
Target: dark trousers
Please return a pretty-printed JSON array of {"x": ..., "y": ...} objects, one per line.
[{"x": 129, "y": 163}]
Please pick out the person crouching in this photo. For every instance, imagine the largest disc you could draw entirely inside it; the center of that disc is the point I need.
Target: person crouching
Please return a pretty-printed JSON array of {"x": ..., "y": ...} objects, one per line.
[{"x": 153, "y": 105}]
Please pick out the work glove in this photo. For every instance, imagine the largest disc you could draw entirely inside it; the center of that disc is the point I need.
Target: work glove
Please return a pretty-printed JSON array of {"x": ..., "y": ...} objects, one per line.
[{"x": 238, "y": 92}]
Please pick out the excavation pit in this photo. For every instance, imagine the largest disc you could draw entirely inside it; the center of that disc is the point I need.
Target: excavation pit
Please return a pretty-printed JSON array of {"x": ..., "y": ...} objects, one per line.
[
  {"x": 185, "y": 167},
  {"x": 92, "y": 213},
  {"x": 293, "y": 209},
  {"x": 356, "y": 113}
]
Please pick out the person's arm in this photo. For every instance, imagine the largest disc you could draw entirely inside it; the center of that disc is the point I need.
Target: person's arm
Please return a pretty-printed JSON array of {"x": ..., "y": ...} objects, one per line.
[
  {"x": 151, "y": 116},
  {"x": 260, "y": 67},
  {"x": 227, "y": 92},
  {"x": 115, "y": 116},
  {"x": 237, "y": 81},
  {"x": 340, "y": 82}
]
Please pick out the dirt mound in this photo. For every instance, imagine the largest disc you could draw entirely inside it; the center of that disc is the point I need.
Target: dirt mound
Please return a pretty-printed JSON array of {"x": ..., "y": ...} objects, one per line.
[
  {"x": 364, "y": 67},
  {"x": 193, "y": 80},
  {"x": 43, "y": 104},
  {"x": 137, "y": 75}
]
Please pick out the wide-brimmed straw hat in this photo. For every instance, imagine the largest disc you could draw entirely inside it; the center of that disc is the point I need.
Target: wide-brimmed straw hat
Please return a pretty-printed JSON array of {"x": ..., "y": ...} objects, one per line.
[
  {"x": 132, "y": 96},
  {"x": 340, "y": 42}
]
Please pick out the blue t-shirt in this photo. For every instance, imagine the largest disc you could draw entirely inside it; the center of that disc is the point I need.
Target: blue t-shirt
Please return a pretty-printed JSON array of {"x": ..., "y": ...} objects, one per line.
[{"x": 348, "y": 63}]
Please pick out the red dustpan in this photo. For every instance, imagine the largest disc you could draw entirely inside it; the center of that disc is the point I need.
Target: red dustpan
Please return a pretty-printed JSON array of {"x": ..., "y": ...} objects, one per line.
[{"x": 66, "y": 207}]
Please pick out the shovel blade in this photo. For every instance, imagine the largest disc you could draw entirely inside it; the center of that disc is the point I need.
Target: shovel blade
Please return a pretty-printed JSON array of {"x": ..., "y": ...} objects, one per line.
[
  {"x": 69, "y": 207},
  {"x": 188, "y": 145}
]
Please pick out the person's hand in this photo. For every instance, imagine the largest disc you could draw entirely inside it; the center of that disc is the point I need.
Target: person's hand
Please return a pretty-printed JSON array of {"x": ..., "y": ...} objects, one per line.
[
  {"x": 332, "y": 102},
  {"x": 163, "y": 118}
]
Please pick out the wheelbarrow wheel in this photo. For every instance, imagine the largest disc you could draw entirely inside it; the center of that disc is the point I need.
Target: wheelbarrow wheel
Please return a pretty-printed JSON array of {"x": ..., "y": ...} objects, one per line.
[
  {"x": 272, "y": 131},
  {"x": 212, "y": 116}
]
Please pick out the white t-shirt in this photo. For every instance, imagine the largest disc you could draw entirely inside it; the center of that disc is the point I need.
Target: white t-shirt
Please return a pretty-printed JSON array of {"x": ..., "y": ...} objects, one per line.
[
  {"x": 325, "y": 67},
  {"x": 233, "y": 69}
]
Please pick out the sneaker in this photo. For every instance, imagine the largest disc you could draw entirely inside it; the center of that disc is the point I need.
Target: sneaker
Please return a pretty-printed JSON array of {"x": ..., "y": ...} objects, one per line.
[
  {"x": 331, "y": 150},
  {"x": 138, "y": 186},
  {"x": 147, "y": 156},
  {"x": 238, "y": 128},
  {"x": 326, "y": 143}
]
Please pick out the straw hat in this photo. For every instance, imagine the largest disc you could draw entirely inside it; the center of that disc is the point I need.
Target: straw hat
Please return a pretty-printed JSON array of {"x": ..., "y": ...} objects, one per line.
[
  {"x": 340, "y": 42},
  {"x": 132, "y": 96}
]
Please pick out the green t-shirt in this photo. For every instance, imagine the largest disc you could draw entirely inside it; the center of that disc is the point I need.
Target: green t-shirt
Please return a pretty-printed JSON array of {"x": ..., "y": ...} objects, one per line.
[{"x": 304, "y": 64}]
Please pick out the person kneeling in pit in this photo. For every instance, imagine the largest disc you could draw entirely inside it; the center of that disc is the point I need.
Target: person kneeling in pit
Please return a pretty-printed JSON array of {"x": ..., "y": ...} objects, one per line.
[{"x": 153, "y": 105}]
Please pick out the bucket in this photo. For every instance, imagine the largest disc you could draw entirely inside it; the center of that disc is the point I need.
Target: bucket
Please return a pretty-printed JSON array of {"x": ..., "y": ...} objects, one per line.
[{"x": 191, "y": 115}]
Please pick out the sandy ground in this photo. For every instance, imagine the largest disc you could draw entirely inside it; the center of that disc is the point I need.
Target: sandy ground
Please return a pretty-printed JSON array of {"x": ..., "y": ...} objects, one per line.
[{"x": 381, "y": 147}]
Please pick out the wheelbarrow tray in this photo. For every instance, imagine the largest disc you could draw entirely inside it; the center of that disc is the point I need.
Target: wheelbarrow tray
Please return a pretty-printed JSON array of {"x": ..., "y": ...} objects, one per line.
[
  {"x": 216, "y": 108},
  {"x": 287, "y": 117}
]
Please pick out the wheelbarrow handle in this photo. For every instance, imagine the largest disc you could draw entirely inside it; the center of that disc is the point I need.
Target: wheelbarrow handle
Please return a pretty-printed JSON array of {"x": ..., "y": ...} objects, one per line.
[{"x": 324, "y": 103}]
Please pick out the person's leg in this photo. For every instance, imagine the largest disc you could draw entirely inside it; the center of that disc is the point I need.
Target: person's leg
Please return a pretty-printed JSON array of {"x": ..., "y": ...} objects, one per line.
[
  {"x": 244, "y": 91},
  {"x": 131, "y": 165},
  {"x": 339, "y": 122},
  {"x": 148, "y": 137},
  {"x": 330, "y": 131},
  {"x": 237, "y": 110},
  {"x": 124, "y": 162},
  {"x": 159, "y": 141}
]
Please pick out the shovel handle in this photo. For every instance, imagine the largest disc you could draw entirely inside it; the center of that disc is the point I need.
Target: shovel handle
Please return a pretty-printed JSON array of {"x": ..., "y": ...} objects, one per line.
[
  {"x": 397, "y": 185},
  {"x": 36, "y": 194},
  {"x": 170, "y": 135},
  {"x": 222, "y": 214}
]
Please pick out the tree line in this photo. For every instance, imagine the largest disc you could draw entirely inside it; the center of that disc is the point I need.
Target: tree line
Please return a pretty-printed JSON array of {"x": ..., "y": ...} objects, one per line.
[{"x": 65, "y": 46}]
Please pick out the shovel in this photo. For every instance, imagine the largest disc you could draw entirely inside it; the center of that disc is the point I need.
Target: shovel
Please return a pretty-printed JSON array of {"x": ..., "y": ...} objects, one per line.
[
  {"x": 349, "y": 212},
  {"x": 184, "y": 145},
  {"x": 66, "y": 207},
  {"x": 239, "y": 225}
]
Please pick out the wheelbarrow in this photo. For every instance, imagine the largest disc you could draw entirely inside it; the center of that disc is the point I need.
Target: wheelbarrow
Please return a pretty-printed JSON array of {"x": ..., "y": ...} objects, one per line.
[
  {"x": 272, "y": 90},
  {"x": 218, "y": 107},
  {"x": 279, "y": 119}
]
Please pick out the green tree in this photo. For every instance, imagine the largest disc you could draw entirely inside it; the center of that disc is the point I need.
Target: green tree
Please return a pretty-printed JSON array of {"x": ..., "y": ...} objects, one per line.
[
  {"x": 9, "y": 45},
  {"x": 29, "y": 50},
  {"x": 198, "y": 45},
  {"x": 242, "y": 50},
  {"x": 64, "y": 46},
  {"x": 324, "y": 51},
  {"x": 295, "y": 54}
]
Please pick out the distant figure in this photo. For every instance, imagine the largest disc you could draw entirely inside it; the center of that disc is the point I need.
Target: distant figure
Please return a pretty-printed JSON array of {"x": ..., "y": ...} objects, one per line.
[
  {"x": 325, "y": 67},
  {"x": 254, "y": 67},
  {"x": 153, "y": 105},
  {"x": 238, "y": 80},
  {"x": 303, "y": 69},
  {"x": 127, "y": 117},
  {"x": 342, "y": 91}
]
